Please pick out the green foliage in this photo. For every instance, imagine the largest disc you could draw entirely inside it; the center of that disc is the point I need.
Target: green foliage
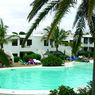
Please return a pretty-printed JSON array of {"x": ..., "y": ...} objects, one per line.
[
  {"x": 53, "y": 92},
  {"x": 4, "y": 58},
  {"x": 63, "y": 90},
  {"x": 51, "y": 60},
  {"x": 88, "y": 53},
  {"x": 33, "y": 56},
  {"x": 16, "y": 58},
  {"x": 63, "y": 56},
  {"x": 22, "y": 33},
  {"x": 66, "y": 90}
]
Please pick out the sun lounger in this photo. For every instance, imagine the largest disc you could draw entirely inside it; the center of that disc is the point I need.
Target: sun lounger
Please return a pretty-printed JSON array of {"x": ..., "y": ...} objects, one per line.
[
  {"x": 36, "y": 61},
  {"x": 22, "y": 62}
]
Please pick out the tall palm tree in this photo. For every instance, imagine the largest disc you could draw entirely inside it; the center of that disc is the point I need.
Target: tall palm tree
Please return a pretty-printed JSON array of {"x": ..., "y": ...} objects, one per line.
[
  {"x": 60, "y": 8},
  {"x": 3, "y": 38},
  {"x": 57, "y": 36},
  {"x": 80, "y": 22}
]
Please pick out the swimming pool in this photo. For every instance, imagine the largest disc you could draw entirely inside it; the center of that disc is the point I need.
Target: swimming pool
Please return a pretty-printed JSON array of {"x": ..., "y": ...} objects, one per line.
[{"x": 46, "y": 78}]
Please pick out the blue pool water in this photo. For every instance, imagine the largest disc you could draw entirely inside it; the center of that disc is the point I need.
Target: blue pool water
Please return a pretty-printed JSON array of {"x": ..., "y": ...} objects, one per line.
[{"x": 46, "y": 78}]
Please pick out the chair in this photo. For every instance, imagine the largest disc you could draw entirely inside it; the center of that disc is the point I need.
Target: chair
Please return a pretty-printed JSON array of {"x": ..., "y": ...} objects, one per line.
[
  {"x": 68, "y": 58},
  {"x": 36, "y": 61},
  {"x": 22, "y": 62},
  {"x": 75, "y": 58}
]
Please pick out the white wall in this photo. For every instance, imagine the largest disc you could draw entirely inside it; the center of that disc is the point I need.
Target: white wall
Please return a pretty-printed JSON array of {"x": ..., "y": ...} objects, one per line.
[{"x": 37, "y": 46}]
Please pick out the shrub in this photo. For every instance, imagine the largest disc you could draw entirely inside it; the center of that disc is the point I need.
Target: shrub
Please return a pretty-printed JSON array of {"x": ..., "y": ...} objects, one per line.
[
  {"x": 51, "y": 60},
  {"x": 66, "y": 90},
  {"x": 4, "y": 58},
  {"x": 16, "y": 58},
  {"x": 36, "y": 56},
  {"x": 32, "y": 56},
  {"x": 63, "y": 90},
  {"x": 86, "y": 53},
  {"x": 63, "y": 56}
]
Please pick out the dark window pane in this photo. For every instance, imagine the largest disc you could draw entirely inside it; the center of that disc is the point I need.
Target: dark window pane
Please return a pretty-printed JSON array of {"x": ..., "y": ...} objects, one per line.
[
  {"x": 15, "y": 54},
  {"x": 14, "y": 42},
  {"x": 45, "y": 43},
  {"x": 29, "y": 42},
  {"x": 85, "y": 48},
  {"x": 90, "y": 40},
  {"x": 51, "y": 42},
  {"x": 85, "y": 40},
  {"x": 21, "y": 40}
]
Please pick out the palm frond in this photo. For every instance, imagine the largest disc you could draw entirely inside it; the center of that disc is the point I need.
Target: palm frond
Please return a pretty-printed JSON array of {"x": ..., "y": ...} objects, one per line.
[
  {"x": 92, "y": 25},
  {"x": 62, "y": 8},
  {"x": 38, "y": 20},
  {"x": 37, "y": 5},
  {"x": 82, "y": 12},
  {"x": 1, "y": 23},
  {"x": 78, "y": 35},
  {"x": 90, "y": 9}
]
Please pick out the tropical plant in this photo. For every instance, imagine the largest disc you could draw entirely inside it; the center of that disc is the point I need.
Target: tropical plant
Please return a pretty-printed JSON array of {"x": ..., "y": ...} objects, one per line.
[
  {"x": 33, "y": 56},
  {"x": 3, "y": 38},
  {"x": 4, "y": 58},
  {"x": 16, "y": 58},
  {"x": 22, "y": 33},
  {"x": 61, "y": 7},
  {"x": 57, "y": 36},
  {"x": 51, "y": 60}
]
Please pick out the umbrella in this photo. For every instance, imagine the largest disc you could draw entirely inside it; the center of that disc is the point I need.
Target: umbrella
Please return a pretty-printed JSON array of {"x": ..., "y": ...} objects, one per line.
[{"x": 47, "y": 52}]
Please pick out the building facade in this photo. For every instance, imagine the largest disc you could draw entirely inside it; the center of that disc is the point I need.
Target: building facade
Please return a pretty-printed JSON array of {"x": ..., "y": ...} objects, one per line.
[
  {"x": 34, "y": 44},
  {"x": 87, "y": 43}
]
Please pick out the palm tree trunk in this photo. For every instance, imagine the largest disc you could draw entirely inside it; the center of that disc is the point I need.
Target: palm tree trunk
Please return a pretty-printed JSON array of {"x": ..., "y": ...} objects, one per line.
[{"x": 93, "y": 86}]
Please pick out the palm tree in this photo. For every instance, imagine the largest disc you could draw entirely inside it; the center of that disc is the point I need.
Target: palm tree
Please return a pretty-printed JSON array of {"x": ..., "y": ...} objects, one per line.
[
  {"x": 60, "y": 8},
  {"x": 80, "y": 22},
  {"x": 3, "y": 38},
  {"x": 57, "y": 36}
]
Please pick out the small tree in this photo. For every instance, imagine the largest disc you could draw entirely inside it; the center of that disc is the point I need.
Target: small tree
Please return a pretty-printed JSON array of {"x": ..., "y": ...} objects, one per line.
[{"x": 57, "y": 36}]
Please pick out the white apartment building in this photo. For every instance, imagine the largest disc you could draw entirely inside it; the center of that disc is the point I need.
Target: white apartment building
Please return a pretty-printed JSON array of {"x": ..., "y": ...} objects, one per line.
[
  {"x": 87, "y": 43},
  {"x": 34, "y": 44}
]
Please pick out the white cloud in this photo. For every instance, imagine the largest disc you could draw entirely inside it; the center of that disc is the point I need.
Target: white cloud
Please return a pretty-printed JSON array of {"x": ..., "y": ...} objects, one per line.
[{"x": 14, "y": 14}]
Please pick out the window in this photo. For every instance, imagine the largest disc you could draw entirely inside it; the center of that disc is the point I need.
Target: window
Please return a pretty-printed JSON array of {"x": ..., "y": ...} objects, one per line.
[
  {"x": 71, "y": 41},
  {"x": 21, "y": 40},
  {"x": 14, "y": 42},
  {"x": 51, "y": 42},
  {"x": 91, "y": 49},
  {"x": 90, "y": 40},
  {"x": 85, "y": 48},
  {"x": 29, "y": 42},
  {"x": 86, "y": 40},
  {"x": 45, "y": 43},
  {"x": 15, "y": 54}
]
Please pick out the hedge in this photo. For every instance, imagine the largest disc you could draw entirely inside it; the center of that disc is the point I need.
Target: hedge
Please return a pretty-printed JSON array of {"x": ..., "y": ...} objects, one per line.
[
  {"x": 32, "y": 56},
  {"x": 16, "y": 58}
]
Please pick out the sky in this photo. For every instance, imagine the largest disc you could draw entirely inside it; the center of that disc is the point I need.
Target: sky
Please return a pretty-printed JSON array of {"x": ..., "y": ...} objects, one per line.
[{"x": 14, "y": 14}]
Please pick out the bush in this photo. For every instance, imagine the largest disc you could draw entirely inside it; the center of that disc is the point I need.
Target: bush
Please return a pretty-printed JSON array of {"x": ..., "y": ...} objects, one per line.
[
  {"x": 63, "y": 56},
  {"x": 32, "y": 56},
  {"x": 16, "y": 58},
  {"x": 63, "y": 90},
  {"x": 4, "y": 58},
  {"x": 86, "y": 53},
  {"x": 51, "y": 60},
  {"x": 66, "y": 90}
]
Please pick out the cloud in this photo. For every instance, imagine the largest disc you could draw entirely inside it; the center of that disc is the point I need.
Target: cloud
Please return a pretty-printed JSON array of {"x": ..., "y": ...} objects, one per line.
[{"x": 14, "y": 14}]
